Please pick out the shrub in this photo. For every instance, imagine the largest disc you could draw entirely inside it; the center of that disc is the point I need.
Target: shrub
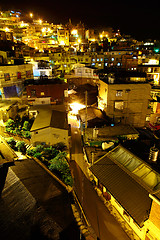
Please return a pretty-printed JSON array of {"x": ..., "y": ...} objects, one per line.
[
  {"x": 26, "y": 126},
  {"x": 60, "y": 164},
  {"x": 21, "y": 147},
  {"x": 39, "y": 148},
  {"x": 60, "y": 146},
  {"x": 49, "y": 153},
  {"x": 12, "y": 143},
  {"x": 31, "y": 152},
  {"x": 26, "y": 134},
  {"x": 38, "y": 155},
  {"x": 10, "y": 125}
]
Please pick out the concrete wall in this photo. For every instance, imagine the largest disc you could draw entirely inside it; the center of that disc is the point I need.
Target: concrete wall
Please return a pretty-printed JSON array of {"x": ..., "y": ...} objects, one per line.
[
  {"x": 50, "y": 136},
  {"x": 133, "y": 97}
]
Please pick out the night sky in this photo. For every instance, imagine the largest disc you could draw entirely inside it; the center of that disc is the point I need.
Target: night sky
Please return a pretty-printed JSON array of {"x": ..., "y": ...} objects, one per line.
[{"x": 141, "y": 20}]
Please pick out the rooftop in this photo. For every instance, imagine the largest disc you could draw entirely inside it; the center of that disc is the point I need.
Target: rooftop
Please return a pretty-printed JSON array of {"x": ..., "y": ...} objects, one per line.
[
  {"x": 33, "y": 204},
  {"x": 48, "y": 117},
  {"x": 113, "y": 76},
  {"x": 112, "y": 132},
  {"x": 129, "y": 179}
]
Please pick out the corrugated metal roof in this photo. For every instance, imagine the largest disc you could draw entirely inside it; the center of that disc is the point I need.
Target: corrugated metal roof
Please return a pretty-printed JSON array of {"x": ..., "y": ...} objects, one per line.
[{"x": 132, "y": 196}]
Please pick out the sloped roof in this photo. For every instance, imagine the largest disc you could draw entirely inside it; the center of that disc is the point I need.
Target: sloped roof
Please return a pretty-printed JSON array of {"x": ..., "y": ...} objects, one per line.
[
  {"x": 33, "y": 204},
  {"x": 115, "y": 172},
  {"x": 50, "y": 118},
  {"x": 94, "y": 114}
]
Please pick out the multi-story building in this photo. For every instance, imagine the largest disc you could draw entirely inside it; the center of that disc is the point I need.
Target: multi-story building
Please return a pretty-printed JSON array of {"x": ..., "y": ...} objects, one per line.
[
  {"x": 152, "y": 69},
  {"x": 49, "y": 91},
  {"x": 63, "y": 37},
  {"x": 12, "y": 78},
  {"x": 122, "y": 99}
]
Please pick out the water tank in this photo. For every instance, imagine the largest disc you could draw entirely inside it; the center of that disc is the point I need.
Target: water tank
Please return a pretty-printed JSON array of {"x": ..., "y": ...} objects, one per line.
[
  {"x": 153, "y": 154},
  {"x": 106, "y": 145},
  {"x": 95, "y": 132}
]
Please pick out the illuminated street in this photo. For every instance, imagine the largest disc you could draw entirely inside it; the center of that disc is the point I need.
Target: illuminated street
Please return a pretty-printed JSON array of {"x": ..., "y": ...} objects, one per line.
[{"x": 103, "y": 223}]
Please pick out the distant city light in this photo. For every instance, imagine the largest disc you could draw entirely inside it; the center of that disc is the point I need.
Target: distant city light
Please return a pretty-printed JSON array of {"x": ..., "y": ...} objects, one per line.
[
  {"x": 31, "y": 15},
  {"x": 74, "y": 32},
  {"x": 40, "y": 21},
  {"x": 7, "y": 29}
]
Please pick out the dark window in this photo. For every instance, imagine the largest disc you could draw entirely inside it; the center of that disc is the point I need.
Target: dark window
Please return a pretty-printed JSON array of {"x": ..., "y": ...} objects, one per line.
[
  {"x": 33, "y": 93},
  {"x": 6, "y": 76}
]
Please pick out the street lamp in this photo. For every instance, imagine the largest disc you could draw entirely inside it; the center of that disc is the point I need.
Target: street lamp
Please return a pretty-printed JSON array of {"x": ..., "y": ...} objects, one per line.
[{"x": 31, "y": 15}]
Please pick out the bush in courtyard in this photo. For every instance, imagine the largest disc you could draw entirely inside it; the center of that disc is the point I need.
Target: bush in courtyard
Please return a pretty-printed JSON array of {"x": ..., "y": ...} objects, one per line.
[
  {"x": 60, "y": 146},
  {"x": 10, "y": 125},
  {"x": 26, "y": 126},
  {"x": 31, "y": 152},
  {"x": 49, "y": 153},
  {"x": 21, "y": 147},
  {"x": 26, "y": 134},
  {"x": 12, "y": 143},
  {"x": 60, "y": 164},
  {"x": 38, "y": 155}
]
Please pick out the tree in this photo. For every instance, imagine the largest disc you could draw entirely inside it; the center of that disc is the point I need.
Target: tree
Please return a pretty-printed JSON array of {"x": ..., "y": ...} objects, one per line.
[{"x": 21, "y": 146}]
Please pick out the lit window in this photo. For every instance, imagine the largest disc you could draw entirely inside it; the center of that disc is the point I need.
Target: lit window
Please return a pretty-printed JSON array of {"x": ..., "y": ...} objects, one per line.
[
  {"x": 97, "y": 59},
  {"x": 119, "y": 93},
  {"x": 42, "y": 93},
  {"x": 101, "y": 59},
  {"x": 112, "y": 59},
  {"x": 106, "y": 64},
  {"x": 119, "y": 105},
  {"x": 93, "y": 59}
]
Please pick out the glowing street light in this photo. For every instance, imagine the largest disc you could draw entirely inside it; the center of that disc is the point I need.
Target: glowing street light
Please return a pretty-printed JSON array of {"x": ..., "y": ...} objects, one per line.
[
  {"x": 75, "y": 106},
  {"x": 31, "y": 15}
]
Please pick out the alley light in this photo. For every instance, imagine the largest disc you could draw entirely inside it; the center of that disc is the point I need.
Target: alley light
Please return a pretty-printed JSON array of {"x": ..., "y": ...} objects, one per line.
[{"x": 75, "y": 106}]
